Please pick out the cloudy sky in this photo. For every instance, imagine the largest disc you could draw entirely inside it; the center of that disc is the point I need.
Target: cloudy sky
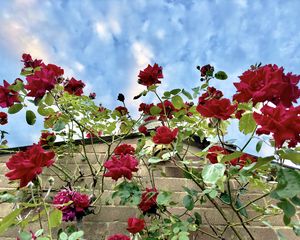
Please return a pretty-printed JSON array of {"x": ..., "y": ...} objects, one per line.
[{"x": 105, "y": 43}]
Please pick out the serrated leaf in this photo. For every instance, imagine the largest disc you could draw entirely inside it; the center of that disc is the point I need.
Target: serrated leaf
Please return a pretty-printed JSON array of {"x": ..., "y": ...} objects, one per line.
[
  {"x": 213, "y": 172},
  {"x": 154, "y": 110},
  {"x": 247, "y": 123},
  {"x": 164, "y": 198},
  {"x": 187, "y": 94},
  {"x": 55, "y": 218},
  {"x": 30, "y": 117},
  {"x": 221, "y": 75},
  {"x": 188, "y": 202},
  {"x": 177, "y": 102},
  {"x": 15, "y": 108}
]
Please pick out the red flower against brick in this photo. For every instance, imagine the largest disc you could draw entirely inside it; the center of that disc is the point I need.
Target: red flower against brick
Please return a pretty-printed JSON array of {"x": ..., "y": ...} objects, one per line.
[
  {"x": 46, "y": 138},
  {"x": 7, "y": 97},
  {"x": 74, "y": 87},
  {"x": 78, "y": 207},
  {"x": 283, "y": 123},
  {"x": 3, "y": 118},
  {"x": 145, "y": 108},
  {"x": 122, "y": 110},
  {"x": 121, "y": 166},
  {"x": 243, "y": 160},
  {"x": 268, "y": 83},
  {"x": 150, "y": 75},
  {"x": 148, "y": 202},
  {"x": 217, "y": 108},
  {"x": 135, "y": 225},
  {"x": 28, "y": 164},
  {"x": 143, "y": 129},
  {"x": 164, "y": 135},
  {"x": 124, "y": 149},
  {"x": 118, "y": 237},
  {"x": 213, "y": 153}
]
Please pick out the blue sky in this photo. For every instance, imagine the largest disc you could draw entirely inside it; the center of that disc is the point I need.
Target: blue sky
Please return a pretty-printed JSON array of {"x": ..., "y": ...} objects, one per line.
[{"x": 106, "y": 43}]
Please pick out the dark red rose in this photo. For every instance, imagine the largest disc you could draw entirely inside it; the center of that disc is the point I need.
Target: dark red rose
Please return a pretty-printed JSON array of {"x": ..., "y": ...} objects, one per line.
[
  {"x": 46, "y": 138},
  {"x": 217, "y": 108},
  {"x": 3, "y": 118},
  {"x": 28, "y": 164},
  {"x": 167, "y": 109},
  {"x": 243, "y": 160},
  {"x": 121, "y": 166},
  {"x": 92, "y": 95},
  {"x": 57, "y": 71},
  {"x": 92, "y": 135},
  {"x": 145, "y": 108},
  {"x": 268, "y": 83},
  {"x": 239, "y": 114},
  {"x": 40, "y": 82},
  {"x": 29, "y": 62},
  {"x": 7, "y": 97},
  {"x": 135, "y": 225},
  {"x": 80, "y": 203},
  {"x": 118, "y": 237},
  {"x": 74, "y": 87},
  {"x": 283, "y": 123},
  {"x": 211, "y": 93},
  {"x": 143, "y": 129},
  {"x": 122, "y": 110},
  {"x": 148, "y": 200},
  {"x": 207, "y": 70},
  {"x": 164, "y": 135},
  {"x": 124, "y": 149},
  {"x": 150, "y": 75},
  {"x": 213, "y": 153}
]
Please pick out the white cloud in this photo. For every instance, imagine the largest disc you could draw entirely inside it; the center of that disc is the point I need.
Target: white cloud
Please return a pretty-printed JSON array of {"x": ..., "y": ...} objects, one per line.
[
  {"x": 79, "y": 67},
  {"x": 107, "y": 29}
]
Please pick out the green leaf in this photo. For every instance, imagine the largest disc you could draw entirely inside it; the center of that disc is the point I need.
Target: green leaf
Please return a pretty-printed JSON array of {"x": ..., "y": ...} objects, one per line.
[
  {"x": 55, "y": 218},
  {"x": 258, "y": 146},
  {"x": 188, "y": 202},
  {"x": 59, "y": 125},
  {"x": 261, "y": 161},
  {"x": 295, "y": 200},
  {"x": 221, "y": 75},
  {"x": 15, "y": 108},
  {"x": 154, "y": 160},
  {"x": 164, "y": 198},
  {"x": 198, "y": 218},
  {"x": 49, "y": 99},
  {"x": 155, "y": 110},
  {"x": 247, "y": 123},
  {"x": 225, "y": 198},
  {"x": 63, "y": 236},
  {"x": 175, "y": 91},
  {"x": 187, "y": 94},
  {"x": 30, "y": 117},
  {"x": 213, "y": 172},
  {"x": 231, "y": 156},
  {"x": 238, "y": 204},
  {"x": 43, "y": 111},
  {"x": 9, "y": 220},
  {"x": 296, "y": 229},
  {"x": 287, "y": 207},
  {"x": 288, "y": 183},
  {"x": 76, "y": 235},
  {"x": 167, "y": 94},
  {"x": 177, "y": 102},
  {"x": 17, "y": 86},
  {"x": 290, "y": 154},
  {"x": 25, "y": 236},
  {"x": 286, "y": 220}
]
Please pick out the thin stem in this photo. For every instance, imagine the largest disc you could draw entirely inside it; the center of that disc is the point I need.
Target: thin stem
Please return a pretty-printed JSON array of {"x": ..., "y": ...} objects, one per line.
[{"x": 249, "y": 140}]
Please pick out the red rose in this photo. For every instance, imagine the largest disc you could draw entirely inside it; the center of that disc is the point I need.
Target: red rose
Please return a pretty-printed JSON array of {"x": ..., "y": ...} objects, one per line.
[
  {"x": 121, "y": 166},
  {"x": 148, "y": 201},
  {"x": 118, "y": 237},
  {"x": 135, "y": 225},
  {"x": 28, "y": 164},
  {"x": 164, "y": 135},
  {"x": 150, "y": 75},
  {"x": 213, "y": 153},
  {"x": 143, "y": 129},
  {"x": 206, "y": 70},
  {"x": 283, "y": 123},
  {"x": 92, "y": 135},
  {"x": 243, "y": 160},
  {"x": 3, "y": 118},
  {"x": 124, "y": 149},
  {"x": 7, "y": 97},
  {"x": 58, "y": 71},
  {"x": 167, "y": 109},
  {"x": 74, "y": 87},
  {"x": 268, "y": 83},
  {"x": 47, "y": 138},
  {"x": 145, "y": 108},
  {"x": 29, "y": 62},
  {"x": 217, "y": 108},
  {"x": 122, "y": 110}
]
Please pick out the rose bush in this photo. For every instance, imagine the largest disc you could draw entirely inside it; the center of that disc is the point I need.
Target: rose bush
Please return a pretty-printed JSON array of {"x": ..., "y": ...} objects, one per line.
[{"x": 264, "y": 104}]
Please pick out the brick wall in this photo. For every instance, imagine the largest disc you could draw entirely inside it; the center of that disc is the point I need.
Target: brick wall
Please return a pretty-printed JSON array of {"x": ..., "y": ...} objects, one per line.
[{"x": 111, "y": 218}]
